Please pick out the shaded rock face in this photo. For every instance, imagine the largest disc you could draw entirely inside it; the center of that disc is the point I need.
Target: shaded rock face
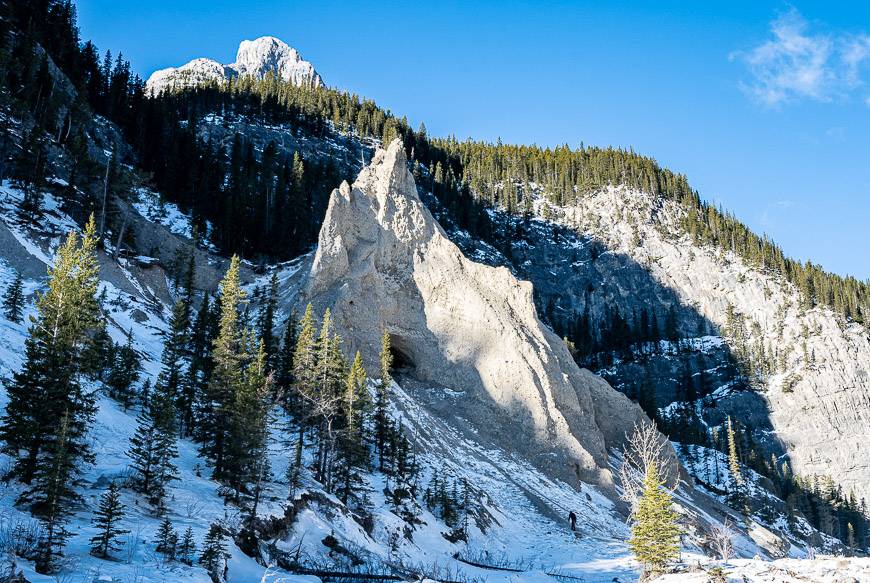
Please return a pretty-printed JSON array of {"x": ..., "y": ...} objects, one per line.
[
  {"x": 255, "y": 58},
  {"x": 383, "y": 263}
]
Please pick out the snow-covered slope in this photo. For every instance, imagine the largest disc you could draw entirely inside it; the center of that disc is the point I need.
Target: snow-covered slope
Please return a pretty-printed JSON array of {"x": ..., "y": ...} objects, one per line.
[{"x": 255, "y": 58}]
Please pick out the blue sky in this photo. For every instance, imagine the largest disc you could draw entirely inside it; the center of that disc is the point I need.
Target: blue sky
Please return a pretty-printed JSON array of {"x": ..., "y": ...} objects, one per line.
[{"x": 764, "y": 105}]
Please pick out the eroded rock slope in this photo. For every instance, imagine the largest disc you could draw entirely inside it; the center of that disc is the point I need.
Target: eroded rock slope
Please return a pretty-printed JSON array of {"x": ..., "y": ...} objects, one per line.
[{"x": 384, "y": 263}]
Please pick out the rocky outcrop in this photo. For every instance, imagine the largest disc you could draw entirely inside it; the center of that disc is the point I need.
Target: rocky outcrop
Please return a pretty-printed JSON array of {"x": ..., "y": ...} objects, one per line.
[
  {"x": 811, "y": 408},
  {"x": 255, "y": 58},
  {"x": 468, "y": 330}
]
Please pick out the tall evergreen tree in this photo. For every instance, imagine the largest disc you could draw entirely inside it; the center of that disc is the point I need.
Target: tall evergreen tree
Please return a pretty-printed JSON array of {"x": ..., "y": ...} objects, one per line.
[
  {"x": 304, "y": 383},
  {"x": 736, "y": 492},
  {"x": 246, "y": 457},
  {"x": 166, "y": 539},
  {"x": 353, "y": 455},
  {"x": 382, "y": 400},
  {"x": 227, "y": 373},
  {"x": 284, "y": 359},
  {"x": 13, "y": 300},
  {"x": 175, "y": 370},
  {"x": 153, "y": 447},
  {"x": 106, "y": 519},
  {"x": 266, "y": 322},
  {"x": 48, "y": 387}
]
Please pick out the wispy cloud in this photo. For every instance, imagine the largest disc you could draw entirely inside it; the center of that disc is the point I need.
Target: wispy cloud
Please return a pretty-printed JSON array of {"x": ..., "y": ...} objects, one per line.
[{"x": 797, "y": 63}]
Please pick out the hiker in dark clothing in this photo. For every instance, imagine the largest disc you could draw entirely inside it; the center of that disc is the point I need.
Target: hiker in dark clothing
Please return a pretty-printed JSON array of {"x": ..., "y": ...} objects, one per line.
[{"x": 573, "y": 519}]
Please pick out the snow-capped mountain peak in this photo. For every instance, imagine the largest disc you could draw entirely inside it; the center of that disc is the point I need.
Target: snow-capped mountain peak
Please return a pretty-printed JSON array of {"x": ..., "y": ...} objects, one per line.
[{"x": 255, "y": 58}]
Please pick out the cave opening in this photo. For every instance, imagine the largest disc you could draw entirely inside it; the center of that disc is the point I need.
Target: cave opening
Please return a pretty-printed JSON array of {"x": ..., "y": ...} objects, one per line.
[{"x": 403, "y": 362}]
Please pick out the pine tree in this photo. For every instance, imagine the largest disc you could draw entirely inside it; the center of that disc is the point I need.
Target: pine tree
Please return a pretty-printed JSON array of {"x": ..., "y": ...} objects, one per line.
[
  {"x": 214, "y": 553},
  {"x": 284, "y": 358},
  {"x": 381, "y": 412},
  {"x": 735, "y": 484},
  {"x": 199, "y": 371},
  {"x": 106, "y": 519},
  {"x": 153, "y": 446},
  {"x": 325, "y": 400},
  {"x": 175, "y": 362},
  {"x": 304, "y": 383},
  {"x": 13, "y": 300},
  {"x": 655, "y": 535},
  {"x": 166, "y": 540},
  {"x": 353, "y": 456},
  {"x": 124, "y": 372},
  {"x": 48, "y": 387},
  {"x": 266, "y": 323},
  {"x": 52, "y": 496},
  {"x": 187, "y": 547},
  {"x": 246, "y": 459},
  {"x": 227, "y": 373}
]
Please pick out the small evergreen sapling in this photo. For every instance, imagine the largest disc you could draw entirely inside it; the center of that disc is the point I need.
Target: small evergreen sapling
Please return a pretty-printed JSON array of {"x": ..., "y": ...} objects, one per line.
[
  {"x": 187, "y": 547},
  {"x": 106, "y": 519},
  {"x": 214, "y": 553},
  {"x": 655, "y": 536},
  {"x": 167, "y": 540}
]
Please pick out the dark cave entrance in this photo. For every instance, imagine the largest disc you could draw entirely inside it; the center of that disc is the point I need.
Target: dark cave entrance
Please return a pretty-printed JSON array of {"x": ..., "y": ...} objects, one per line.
[{"x": 403, "y": 362}]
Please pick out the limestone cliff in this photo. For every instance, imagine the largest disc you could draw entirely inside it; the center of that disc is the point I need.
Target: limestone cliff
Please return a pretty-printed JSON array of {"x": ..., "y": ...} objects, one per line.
[{"x": 384, "y": 263}]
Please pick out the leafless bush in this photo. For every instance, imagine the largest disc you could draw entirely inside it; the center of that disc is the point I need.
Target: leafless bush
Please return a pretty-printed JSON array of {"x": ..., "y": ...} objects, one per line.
[
  {"x": 192, "y": 507},
  {"x": 721, "y": 540},
  {"x": 643, "y": 447},
  {"x": 133, "y": 540},
  {"x": 19, "y": 536}
]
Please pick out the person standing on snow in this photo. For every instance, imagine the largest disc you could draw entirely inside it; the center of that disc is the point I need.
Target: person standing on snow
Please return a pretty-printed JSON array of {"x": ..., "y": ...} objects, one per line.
[{"x": 572, "y": 518}]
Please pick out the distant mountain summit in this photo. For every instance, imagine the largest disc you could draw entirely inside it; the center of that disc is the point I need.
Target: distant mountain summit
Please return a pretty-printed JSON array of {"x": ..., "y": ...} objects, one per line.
[{"x": 255, "y": 58}]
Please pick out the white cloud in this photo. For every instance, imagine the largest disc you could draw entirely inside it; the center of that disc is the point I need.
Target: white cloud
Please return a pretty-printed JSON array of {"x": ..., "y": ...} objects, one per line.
[{"x": 800, "y": 64}]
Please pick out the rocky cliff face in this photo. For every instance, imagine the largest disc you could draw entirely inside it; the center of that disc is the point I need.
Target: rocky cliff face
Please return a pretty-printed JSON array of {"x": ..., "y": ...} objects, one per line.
[
  {"x": 255, "y": 58},
  {"x": 809, "y": 404},
  {"x": 470, "y": 330}
]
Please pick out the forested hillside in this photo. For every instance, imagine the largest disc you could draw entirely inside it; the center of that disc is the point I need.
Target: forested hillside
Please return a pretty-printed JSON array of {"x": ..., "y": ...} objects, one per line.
[
  {"x": 264, "y": 193},
  {"x": 238, "y": 391}
]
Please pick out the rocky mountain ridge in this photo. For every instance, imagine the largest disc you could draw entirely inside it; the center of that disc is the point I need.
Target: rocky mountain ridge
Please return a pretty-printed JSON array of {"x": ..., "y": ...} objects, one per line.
[{"x": 255, "y": 58}]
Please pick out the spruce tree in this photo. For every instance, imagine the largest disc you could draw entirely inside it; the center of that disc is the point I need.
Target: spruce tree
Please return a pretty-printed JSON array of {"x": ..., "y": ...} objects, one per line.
[
  {"x": 325, "y": 399},
  {"x": 124, "y": 373},
  {"x": 227, "y": 372},
  {"x": 52, "y": 496},
  {"x": 246, "y": 457},
  {"x": 655, "y": 535},
  {"x": 381, "y": 412},
  {"x": 199, "y": 371},
  {"x": 153, "y": 447},
  {"x": 175, "y": 362},
  {"x": 13, "y": 300},
  {"x": 106, "y": 519},
  {"x": 187, "y": 547},
  {"x": 266, "y": 322},
  {"x": 736, "y": 496},
  {"x": 353, "y": 456},
  {"x": 166, "y": 539},
  {"x": 48, "y": 388},
  {"x": 214, "y": 553},
  {"x": 304, "y": 383},
  {"x": 284, "y": 358}
]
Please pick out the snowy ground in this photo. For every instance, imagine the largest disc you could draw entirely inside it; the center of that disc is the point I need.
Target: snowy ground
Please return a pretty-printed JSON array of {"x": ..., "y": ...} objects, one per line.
[{"x": 528, "y": 533}]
